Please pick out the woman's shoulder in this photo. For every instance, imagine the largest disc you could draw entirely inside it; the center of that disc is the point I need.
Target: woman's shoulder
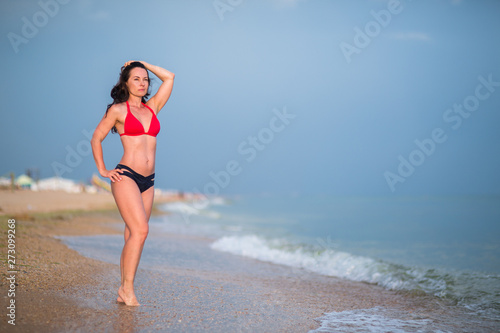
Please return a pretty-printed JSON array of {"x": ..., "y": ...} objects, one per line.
[{"x": 118, "y": 109}]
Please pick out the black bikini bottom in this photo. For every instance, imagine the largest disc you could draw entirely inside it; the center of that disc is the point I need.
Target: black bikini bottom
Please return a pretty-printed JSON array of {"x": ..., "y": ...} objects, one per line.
[{"x": 144, "y": 183}]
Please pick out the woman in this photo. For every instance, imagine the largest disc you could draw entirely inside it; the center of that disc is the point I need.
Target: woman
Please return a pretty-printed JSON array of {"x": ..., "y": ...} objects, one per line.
[{"x": 132, "y": 180}]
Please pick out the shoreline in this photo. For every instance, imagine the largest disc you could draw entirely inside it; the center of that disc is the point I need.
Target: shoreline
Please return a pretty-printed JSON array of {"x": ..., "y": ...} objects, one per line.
[
  {"x": 46, "y": 267},
  {"x": 48, "y": 287},
  {"x": 60, "y": 290}
]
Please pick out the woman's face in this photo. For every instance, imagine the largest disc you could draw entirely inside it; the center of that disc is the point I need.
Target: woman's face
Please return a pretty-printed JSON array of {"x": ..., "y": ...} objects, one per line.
[{"x": 138, "y": 82}]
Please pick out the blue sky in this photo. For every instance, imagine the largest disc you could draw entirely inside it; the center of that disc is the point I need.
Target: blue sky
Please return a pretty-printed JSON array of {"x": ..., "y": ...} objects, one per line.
[{"x": 266, "y": 97}]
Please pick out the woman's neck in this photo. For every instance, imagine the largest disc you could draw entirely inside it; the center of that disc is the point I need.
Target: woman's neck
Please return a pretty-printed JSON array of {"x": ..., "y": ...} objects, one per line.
[{"x": 135, "y": 101}]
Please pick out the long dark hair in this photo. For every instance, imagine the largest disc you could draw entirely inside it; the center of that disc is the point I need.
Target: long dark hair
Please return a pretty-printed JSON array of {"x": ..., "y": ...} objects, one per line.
[{"x": 120, "y": 93}]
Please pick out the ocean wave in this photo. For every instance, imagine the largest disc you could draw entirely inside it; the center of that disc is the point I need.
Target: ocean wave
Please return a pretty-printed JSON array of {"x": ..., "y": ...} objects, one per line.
[
  {"x": 374, "y": 320},
  {"x": 476, "y": 291},
  {"x": 180, "y": 207},
  {"x": 188, "y": 209}
]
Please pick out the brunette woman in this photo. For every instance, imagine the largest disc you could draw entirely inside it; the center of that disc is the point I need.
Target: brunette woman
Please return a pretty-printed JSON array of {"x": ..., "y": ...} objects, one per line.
[{"x": 134, "y": 117}]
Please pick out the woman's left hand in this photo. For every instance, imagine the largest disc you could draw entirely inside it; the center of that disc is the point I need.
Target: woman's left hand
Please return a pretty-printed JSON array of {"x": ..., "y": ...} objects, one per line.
[{"x": 131, "y": 61}]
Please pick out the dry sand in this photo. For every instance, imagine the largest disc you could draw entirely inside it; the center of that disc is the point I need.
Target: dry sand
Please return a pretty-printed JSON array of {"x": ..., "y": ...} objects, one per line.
[{"x": 59, "y": 290}]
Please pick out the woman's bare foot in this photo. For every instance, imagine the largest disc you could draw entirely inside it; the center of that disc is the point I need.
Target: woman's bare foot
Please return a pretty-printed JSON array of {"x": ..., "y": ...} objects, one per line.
[
  {"x": 127, "y": 298},
  {"x": 120, "y": 300}
]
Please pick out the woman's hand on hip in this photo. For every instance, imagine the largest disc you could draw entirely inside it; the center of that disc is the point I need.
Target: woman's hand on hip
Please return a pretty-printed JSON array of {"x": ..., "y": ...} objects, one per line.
[{"x": 113, "y": 175}]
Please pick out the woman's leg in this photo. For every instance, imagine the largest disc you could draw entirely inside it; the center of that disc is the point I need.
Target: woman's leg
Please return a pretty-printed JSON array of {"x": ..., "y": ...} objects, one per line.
[
  {"x": 126, "y": 235},
  {"x": 132, "y": 209},
  {"x": 147, "y": 200}
]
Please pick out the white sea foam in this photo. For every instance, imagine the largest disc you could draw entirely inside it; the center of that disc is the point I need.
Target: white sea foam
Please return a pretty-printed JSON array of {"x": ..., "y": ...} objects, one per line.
[
  {"x": 187, "y": 208},
  {"x": 327, "y": 262},
  {"x": 475, "y": 291},
  {"x": 180, "y": 207},
  {"x": 375, "y": 320},
  {"x": 332, "y": 263}
]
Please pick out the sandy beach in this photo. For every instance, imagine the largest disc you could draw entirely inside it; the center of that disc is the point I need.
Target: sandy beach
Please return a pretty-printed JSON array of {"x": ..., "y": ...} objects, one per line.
[{"x": 59, "y": 290}]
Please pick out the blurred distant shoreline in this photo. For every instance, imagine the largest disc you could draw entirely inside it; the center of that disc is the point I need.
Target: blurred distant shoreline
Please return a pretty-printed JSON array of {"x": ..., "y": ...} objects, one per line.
[{"x": 24, "y": 201}]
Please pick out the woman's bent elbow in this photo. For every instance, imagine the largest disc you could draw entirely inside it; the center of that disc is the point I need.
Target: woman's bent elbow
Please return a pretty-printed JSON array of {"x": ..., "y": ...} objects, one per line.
[{"x": 96, "y": 140}]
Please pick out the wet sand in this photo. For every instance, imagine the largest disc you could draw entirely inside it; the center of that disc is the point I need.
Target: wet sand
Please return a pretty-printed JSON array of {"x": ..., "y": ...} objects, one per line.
[{"x": 58, "y": 290}]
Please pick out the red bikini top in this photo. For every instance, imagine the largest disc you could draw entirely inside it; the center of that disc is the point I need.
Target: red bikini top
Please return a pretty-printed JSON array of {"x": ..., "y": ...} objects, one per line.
[{"x": 133, "y": 126}]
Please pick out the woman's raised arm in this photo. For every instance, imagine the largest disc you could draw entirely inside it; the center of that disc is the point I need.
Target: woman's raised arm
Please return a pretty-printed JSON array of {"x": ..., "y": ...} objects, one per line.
[{"x": 163, "y": 94}]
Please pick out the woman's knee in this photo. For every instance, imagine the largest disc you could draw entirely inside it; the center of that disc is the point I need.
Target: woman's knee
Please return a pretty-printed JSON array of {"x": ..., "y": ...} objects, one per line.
[{"x": 142, "y": 231}]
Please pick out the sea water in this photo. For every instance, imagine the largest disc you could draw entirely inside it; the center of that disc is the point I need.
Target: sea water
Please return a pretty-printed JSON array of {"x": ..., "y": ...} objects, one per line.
[
  {"x": 448, "y": 247},
  {"x": 443, "y": 246}
]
